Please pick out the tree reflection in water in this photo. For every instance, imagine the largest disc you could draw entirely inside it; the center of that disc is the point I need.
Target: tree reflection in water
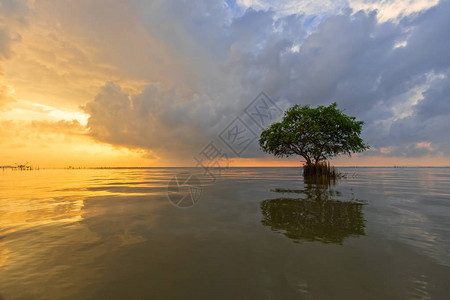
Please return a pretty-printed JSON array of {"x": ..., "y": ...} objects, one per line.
[{"x": 316, "y": 216}]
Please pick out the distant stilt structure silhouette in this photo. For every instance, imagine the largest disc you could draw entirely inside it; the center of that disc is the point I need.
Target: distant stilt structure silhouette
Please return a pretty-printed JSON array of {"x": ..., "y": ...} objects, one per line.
[{"x": 25, "y": 167}]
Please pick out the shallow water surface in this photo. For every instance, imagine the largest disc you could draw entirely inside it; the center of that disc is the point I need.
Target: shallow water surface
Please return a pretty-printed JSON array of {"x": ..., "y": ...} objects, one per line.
[{"x": 256, "y": 233}]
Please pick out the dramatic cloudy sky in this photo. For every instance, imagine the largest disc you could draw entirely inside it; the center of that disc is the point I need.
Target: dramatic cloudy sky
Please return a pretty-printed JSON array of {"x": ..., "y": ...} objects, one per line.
[{"x": 151, "y": 83}]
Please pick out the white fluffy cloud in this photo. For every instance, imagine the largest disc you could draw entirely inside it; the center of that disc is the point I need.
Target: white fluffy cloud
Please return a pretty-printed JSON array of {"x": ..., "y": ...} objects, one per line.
[{"x": 387, "y": 9}]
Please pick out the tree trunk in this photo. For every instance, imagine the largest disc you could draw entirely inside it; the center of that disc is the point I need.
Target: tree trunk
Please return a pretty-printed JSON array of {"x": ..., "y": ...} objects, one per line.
[{"x": 308, "y": 161}]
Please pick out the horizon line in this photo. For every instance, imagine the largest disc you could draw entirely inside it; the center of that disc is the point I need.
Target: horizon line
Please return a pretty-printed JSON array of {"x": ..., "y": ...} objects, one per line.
[{"x": 231, "y": 167}]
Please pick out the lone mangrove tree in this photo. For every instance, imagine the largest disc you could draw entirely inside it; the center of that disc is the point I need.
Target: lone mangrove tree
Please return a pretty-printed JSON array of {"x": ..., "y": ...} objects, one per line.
[{"x": 315, "y": 134}]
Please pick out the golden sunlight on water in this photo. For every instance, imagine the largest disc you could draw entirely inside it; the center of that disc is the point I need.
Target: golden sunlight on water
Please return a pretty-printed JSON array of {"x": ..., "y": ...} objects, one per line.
[
  {"x": 45, "y": 222},
  {"x": 3, "y": 253},
  {"x": 257, "y": 233},
  {"x": 30, "y": 199}
]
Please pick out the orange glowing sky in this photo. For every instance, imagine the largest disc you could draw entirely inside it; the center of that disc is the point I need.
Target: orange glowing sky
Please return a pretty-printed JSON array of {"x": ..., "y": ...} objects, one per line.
[{"x": 62, "y": 61}]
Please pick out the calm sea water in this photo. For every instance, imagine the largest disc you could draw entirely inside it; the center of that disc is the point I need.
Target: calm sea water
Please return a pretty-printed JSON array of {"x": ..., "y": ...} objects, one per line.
[{"x": 256, "y": 233}]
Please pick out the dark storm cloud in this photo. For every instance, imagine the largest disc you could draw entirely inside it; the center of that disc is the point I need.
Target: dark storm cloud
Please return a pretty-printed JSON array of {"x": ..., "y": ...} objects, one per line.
[{"x": 392, "y": 75}]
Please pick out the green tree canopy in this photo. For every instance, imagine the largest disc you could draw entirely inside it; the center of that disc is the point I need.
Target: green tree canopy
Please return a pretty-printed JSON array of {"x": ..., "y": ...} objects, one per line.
[{"x": 316, "y": 134}]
